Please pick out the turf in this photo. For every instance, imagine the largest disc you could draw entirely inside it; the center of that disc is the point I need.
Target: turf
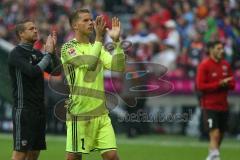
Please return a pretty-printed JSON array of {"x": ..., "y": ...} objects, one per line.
[{"x": 152, "y": 147}]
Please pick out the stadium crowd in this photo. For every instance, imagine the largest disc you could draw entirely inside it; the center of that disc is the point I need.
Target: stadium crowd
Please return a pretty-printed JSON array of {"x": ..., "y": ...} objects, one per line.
[{"x": 170, "y": 32}]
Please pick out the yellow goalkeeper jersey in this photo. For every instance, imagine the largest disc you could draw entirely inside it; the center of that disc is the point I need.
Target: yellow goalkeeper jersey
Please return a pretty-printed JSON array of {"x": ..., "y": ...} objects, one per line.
[{"x": 84, "y": 66}]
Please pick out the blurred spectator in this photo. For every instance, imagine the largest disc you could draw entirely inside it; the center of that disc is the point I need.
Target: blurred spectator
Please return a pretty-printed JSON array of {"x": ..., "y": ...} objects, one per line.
[
  {"x": 167, "y": 56},
  {"x": 195, "y": 53},
  {"x": 143, "y": 35},
  {"x": 173, "y": 36}
]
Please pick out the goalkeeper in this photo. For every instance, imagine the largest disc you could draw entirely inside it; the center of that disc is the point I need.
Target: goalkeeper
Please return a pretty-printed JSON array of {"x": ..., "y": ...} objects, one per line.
[{"x": 89, "y": 127}]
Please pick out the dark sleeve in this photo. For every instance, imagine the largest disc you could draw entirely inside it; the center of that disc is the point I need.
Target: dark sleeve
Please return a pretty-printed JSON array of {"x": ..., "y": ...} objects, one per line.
[
  {"x": 15, "y": 59},
  {"x": 201, "y": 80},
  {"x": 55, "y": 66}
]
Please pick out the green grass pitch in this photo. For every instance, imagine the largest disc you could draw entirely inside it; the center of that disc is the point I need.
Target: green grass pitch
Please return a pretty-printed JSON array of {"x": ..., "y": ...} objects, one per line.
[{"x": 152, "y": 147}]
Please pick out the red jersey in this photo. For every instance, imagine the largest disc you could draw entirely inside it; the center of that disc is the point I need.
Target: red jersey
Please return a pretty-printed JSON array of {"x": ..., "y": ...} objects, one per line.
[{"x": 209, "y": 75}]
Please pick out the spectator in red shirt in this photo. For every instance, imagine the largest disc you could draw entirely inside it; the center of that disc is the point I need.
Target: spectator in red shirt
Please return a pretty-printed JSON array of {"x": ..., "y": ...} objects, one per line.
[{"x": 214, "y": 80}]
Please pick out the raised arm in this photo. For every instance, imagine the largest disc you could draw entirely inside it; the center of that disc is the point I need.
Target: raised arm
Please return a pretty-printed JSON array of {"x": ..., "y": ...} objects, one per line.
[
  {"x": 115, "y": 62},
  {"x": 17, "y": 60},
  {"x": 54, "y": 62}
]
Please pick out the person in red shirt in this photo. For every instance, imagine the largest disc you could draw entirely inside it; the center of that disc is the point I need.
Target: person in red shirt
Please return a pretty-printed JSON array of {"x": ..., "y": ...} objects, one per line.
[{"x": 214, "y": 80}]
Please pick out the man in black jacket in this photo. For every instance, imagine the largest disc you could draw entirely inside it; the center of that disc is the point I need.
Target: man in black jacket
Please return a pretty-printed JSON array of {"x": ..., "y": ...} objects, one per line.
[{"x": 26, "y": 67}]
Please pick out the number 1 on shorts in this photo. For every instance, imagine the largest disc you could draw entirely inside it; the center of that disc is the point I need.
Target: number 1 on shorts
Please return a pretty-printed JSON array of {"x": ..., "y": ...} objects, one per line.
[
  {"x": 210, "y": 123},
  {"x": 83, "y": 143}
]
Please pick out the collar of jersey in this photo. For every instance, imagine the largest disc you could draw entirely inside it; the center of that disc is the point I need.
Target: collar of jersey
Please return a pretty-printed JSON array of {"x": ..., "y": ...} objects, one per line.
[{"x": 75, "y": 40}]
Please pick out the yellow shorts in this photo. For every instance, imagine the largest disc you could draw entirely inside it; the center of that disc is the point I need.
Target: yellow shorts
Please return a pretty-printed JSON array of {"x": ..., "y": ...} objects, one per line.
[{"x": 84, "y": 136}]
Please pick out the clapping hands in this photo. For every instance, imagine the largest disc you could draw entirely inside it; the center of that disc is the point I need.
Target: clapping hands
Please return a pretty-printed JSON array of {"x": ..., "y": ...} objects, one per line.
[{"x": 51, "y": 43}]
